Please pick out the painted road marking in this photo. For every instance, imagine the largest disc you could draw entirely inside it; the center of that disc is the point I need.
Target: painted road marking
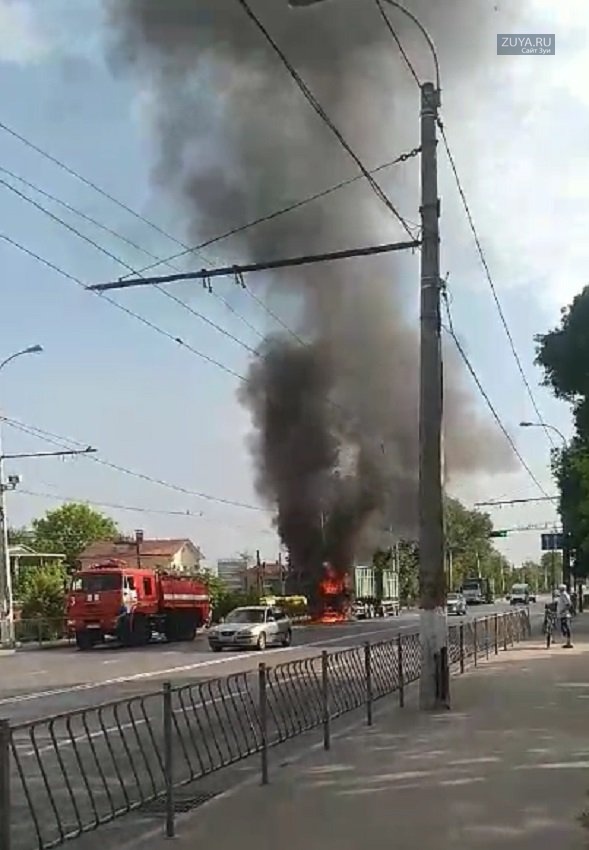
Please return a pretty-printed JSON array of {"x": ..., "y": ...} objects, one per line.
[
  {"x": 21, "y": 741},
  {"x": 136, "y": 677}
]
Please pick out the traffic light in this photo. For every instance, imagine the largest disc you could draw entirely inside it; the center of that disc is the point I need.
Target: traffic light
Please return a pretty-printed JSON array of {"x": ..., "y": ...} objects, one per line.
[{"x": 498, "y": 534}]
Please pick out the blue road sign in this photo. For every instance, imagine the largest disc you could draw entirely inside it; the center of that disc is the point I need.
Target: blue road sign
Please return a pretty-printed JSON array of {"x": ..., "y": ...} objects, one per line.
[{"x": 552, "y": 542}]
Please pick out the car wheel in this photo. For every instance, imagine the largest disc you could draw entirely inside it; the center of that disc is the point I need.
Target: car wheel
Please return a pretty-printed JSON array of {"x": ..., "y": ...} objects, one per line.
[
  {"x": 262, "y": 641},
  {"x": 287, "y": 639}
]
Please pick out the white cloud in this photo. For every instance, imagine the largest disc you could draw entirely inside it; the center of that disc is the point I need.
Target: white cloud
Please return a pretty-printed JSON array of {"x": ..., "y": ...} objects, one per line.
[{"x": 22, "y": 40}]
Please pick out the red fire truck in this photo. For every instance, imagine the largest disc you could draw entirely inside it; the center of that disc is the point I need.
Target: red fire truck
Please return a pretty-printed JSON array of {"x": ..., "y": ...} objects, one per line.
[{"x": 112, "y": 599}]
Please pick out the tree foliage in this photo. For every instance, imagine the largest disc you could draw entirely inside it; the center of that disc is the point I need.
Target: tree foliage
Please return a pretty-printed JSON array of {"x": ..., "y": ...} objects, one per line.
[
  {"x": 70, "y": 528},
  {"x": 470, "y": 552},
  {"x": 563, "y": 354},
  {"x": 42, "y": 594}
]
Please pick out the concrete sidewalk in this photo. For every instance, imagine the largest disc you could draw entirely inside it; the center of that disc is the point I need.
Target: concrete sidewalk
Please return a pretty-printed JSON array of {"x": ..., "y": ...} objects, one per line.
[{"x": 507, "y": 767}]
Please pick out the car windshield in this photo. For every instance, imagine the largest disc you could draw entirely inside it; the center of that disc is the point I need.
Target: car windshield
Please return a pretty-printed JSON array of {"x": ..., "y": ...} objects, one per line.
[
  {"x": 471, "y": 585},
  {"x": 246, "y": 615},
  {"x": 519, "y": 588},
  {"x": 97, "y": 582},
  {"x": 453, "y": 597}
]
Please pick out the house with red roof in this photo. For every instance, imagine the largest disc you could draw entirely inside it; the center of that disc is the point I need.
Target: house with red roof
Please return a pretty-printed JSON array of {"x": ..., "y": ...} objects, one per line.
[{"x": 176, "y": 555}]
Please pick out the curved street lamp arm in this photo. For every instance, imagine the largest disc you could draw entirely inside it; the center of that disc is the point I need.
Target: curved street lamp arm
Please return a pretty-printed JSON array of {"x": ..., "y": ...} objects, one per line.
[{"x": 425, "y": 34}]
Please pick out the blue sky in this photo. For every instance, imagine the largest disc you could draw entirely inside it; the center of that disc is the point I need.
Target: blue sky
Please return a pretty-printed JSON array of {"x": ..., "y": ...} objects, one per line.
[{"x": 151, "y": 406}]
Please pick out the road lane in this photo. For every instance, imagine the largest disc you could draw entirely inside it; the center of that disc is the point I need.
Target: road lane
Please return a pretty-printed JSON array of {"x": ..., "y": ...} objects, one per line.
[
  {"x": 38, "y": 684},
  {"x": 81, "y": 769},
  {"x": 35, "y": 684}
]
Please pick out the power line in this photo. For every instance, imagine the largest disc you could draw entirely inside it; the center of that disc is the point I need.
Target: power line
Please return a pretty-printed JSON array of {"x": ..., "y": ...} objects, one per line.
[
  {"x": 398, "y": 41},
  {"x": 94, "y": 186},
  {"x": 485, "y": 395},
  {"x": 489, "y": 278},
  {"x": 122, "y": 262},
  {"x": 58, "y": 440},
  {"x": 228, "y": 370},
  {"x": 72, "y": 172},
  {"x": 279, "y": 212},
  {"x": 111, "y": 505},
  {"x": 312, "y": 100},
  {"x": 121, "y": 237},
  {"x": 472, "y": 226},
  {"x": 200, "y": 515}
]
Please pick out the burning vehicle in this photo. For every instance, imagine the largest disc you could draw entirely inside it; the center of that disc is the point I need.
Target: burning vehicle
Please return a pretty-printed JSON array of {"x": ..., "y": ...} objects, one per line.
[{"x": 334, "y": 597}]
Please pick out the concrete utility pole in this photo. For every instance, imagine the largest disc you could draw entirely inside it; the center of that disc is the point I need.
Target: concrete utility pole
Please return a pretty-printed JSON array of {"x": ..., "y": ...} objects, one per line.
[{"x": 434, "y": 682}]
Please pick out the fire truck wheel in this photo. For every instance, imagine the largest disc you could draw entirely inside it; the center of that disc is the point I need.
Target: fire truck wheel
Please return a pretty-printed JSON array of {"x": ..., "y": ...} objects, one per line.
[{"x": 84, "y": 641}]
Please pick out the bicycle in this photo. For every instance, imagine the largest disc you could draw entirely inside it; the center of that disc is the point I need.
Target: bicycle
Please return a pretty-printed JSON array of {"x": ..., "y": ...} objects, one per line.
[{"x": 550, "y": 622}]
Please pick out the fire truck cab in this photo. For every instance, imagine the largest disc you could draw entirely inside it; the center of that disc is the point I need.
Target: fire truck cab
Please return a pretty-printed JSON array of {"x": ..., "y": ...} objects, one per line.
[{"x": 111, "y": 599}]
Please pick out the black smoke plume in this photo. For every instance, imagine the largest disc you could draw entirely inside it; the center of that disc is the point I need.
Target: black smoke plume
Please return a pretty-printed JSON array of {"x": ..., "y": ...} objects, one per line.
[{"x": 335, "y": 418}]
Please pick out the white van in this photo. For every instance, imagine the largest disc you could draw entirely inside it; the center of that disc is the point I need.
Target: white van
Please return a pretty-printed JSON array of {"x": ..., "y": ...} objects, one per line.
[{"x": 520, "y": 594}]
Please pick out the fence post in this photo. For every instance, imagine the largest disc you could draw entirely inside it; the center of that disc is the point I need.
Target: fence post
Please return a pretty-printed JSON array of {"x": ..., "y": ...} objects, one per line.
[
  {"x": 461, "y": 633},
  {"x": 325, "y": 699},
  {"x": 476, "y": 641},
  {"x": 263, "y": 707},
  {"x": 40, "y": 632},
  {"x": 496, "y": 618},
  {"x": 487, "y": 638},
  {"x": 368, "y": 672},
  {"x": 401, "y": 671},
  {"x": 505, "y": 620},
  {"x": 5, "y": 818},
  {"x": 168, "y": 760}
]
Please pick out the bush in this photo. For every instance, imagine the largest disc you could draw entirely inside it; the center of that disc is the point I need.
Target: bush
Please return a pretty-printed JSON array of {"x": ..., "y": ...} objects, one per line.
[
  {"x": 226, "y": 602},
  {"x": 42, "y": 594}
]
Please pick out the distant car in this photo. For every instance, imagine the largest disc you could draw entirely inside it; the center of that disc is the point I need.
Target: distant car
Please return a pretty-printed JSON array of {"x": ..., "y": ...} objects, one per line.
[
  {"x": 456, "y": 604},
  {"x": 253, "y": 627},
  {"x": 388, "y": 608},
  {"x": 362, "y": 610}
]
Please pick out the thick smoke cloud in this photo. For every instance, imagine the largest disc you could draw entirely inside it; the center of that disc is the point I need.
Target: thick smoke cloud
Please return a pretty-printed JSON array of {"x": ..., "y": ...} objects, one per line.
[{"x": 335, "y": 420}]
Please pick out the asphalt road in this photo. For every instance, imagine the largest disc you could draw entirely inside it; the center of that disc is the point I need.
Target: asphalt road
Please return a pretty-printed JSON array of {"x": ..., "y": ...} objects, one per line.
[
  {"x": 72, "y": 772},
  {"x": 36, "y": 684}
]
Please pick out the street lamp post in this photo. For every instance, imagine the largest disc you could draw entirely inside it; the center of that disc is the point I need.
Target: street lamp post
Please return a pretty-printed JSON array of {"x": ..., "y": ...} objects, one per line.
[
  {"x": 434, "y": 681},
  {"x": 6, "y": 598},
  {"x": 566, "y": 551}
]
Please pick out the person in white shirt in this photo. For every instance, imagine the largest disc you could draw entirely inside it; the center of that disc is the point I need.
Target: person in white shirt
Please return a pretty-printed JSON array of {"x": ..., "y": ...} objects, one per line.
[{"x": 564, "y": 609}]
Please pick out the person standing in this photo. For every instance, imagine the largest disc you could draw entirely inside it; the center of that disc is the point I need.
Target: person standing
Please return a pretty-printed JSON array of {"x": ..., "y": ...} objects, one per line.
[{"x": 564, "y": 609}]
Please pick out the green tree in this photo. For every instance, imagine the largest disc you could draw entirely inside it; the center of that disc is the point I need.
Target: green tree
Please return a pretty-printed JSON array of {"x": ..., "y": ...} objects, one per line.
[
  {"x": 563, "y": 355},
  {"x": 551, "y": 569},
  {"x": 408, "y": 572},
  {"x": 42, "y": 596},
  {"x": 467, "y": 539},
  {"x": 72, "y": 527}
]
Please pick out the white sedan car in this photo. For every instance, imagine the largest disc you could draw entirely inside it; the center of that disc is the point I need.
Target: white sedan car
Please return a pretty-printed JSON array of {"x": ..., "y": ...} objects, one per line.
[{"x": 456, "y": 604}]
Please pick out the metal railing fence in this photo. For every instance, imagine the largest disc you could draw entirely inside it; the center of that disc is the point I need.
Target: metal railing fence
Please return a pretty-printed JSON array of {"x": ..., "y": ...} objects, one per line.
[{"x": 67, "y": 775}]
